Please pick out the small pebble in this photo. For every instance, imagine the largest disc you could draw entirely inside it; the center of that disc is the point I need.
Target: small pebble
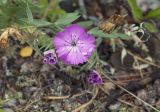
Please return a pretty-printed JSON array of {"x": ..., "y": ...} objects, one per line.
[
  {"x": 142, "y": 94},
  {"x": 114, "y": 106}
]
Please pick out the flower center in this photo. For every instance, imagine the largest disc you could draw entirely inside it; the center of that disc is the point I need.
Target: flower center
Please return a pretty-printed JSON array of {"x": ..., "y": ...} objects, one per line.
[{"x": 73, "y": 43}]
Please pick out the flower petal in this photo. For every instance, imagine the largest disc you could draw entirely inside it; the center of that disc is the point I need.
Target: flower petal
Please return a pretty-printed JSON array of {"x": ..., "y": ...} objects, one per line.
[
  {"x": 82, "y": 49},
  {"x": 75, "y": 56}
]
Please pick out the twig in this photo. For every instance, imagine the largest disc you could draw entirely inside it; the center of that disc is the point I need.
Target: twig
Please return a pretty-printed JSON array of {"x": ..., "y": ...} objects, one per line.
[
  {"x": 143, "y": 60},
  {"x": 130, "y": 93},
  {"x": 88, "y": 103},
  {"x": 27, "y": 106},
  {"x": 56, "y": 97},
  {"x": 80, "y": 94},
  {"x": 63, "y": 97},
  {"x": 122, "y": 101}
]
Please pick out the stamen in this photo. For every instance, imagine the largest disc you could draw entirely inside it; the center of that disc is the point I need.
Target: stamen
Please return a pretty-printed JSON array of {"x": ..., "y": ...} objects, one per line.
[{"x": 73, "y": 43}]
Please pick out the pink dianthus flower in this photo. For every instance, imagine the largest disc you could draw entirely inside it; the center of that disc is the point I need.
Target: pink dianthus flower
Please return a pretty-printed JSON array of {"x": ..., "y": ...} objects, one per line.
[{"x": 73, "y": 45}]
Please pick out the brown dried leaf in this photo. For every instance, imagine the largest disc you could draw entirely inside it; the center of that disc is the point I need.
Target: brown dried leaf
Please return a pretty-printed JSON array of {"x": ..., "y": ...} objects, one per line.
[
  {"x": 116, "y": 19},
  {"x": 4, "y": 39},
  {"x": 106, "y": 26},
  {"x": 14, "y": 32},
  {"x": 111, "y": 23}
]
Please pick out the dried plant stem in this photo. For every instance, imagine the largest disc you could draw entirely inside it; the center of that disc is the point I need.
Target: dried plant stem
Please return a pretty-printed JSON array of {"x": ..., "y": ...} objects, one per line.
[
  {"x": 63, "y": 97},
  {"x": 122, "y": 101},
  {"x": 130, "y": 93},
  {"x": 142, "y": 60},
  {"x": 80, "y": 94},
  {"x": 140, "y": 71},
  {"x": 27, "y": 106},
  {"x": 56, "y": 97},
  {"x": 88, "y": 103}
]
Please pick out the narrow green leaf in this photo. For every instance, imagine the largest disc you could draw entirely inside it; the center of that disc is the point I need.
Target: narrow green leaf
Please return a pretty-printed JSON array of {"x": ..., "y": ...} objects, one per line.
[
  {"x": 113, "y": 44},
  {"x": 37, "y": 22},
  {"x": 155, "y": 14},
  {"x": 150, "y": 27},
  {"x": 85, "y": 24},
  {"x": 29, "y": 13},
  {"x": 97, "y": 32},
  {"x": 98, "y": 41},
  {"x": 67, "y": 19},
  {"x": 118, "y": 35},
  {"x": 92, "y": 60},
  {"x": 56, "y": 11},
  {"x": 40, "y": 23},
  {"x": 45, "y": 42},
  {"x": 136, "y": 11}
]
